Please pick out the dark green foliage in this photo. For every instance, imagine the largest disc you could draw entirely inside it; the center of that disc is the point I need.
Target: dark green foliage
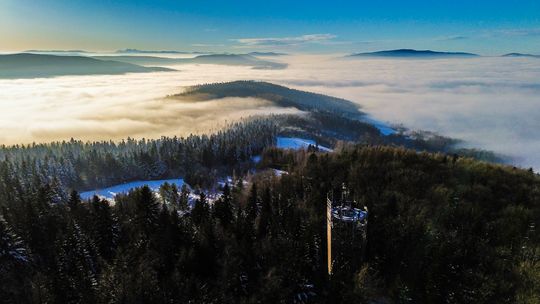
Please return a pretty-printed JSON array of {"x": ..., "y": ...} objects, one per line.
[
  {"x": 86, "y": 166},
  {"x": 201, "y": 210},
  {"x": 14, "y": 266},
  {"x": 440, "y": 230},
  {"x": 223, "y": 209}
]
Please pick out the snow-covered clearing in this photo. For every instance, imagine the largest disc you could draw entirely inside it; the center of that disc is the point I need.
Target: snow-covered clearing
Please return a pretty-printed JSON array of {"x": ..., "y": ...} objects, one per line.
[
  {"x": 384, "y": 128},
  {"x": 110, "y": 192},
  {"x": 296, "y": 143}
]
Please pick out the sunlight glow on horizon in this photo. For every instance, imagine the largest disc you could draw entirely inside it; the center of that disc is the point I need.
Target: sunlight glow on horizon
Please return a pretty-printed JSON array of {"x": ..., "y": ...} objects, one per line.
[{"x": 350, "y": 26}]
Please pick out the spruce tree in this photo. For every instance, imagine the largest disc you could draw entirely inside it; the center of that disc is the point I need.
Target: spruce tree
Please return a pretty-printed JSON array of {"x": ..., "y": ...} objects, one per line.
[
  {"x": 266, "y": 214},
  {"x": 14, "y": 266},
  {"x": 201, "y": 211},
  {"x": 147, "y": 210},
  {"x": 223, "y": 207}
]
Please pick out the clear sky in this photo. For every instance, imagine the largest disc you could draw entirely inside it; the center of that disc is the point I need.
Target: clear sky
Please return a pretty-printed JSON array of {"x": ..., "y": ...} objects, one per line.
[{"x": 486, "y": 27}]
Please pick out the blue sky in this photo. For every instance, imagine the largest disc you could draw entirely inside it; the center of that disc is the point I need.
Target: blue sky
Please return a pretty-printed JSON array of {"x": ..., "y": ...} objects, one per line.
[{"x": 486, "y": 27}]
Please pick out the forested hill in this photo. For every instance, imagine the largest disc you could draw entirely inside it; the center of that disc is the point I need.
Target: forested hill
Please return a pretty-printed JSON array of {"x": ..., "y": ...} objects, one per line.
[
  {"x": 330, "y": 119},
  {"x": 26, "y": 65},
  {"x": 280, "y": 95},
  {"x": 440, "y": 229}
]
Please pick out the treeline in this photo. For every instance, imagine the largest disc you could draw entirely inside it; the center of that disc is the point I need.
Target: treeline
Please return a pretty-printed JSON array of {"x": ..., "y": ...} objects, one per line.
[
  {"x": 89, "y": 165},
  {"x": 441, "y": 229}
]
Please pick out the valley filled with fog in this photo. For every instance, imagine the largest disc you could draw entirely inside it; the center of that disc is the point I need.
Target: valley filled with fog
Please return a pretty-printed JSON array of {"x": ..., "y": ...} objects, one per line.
[{"x": 489, "y": 102}]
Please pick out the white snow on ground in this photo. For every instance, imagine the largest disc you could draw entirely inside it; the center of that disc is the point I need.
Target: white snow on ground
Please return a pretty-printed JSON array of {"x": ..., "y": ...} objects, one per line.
[
  {"x": 296, "y": 143},
  {"x": 278, "y": 172},
  {"x": 383, "y": 127},
  {"x": 110, "y": 192}
]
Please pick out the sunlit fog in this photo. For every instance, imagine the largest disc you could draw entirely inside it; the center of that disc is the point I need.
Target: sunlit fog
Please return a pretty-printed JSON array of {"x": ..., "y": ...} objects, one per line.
[{"x": 488, "y": 102}]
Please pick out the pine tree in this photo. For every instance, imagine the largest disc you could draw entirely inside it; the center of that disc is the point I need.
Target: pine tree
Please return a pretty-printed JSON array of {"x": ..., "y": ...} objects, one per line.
[
  {"x": 14, "y": 266},
  {"x": 266, "y": 214},
  {"x": 183, "y": 201},
  {"x": 74, "y": 200},
  {"x": 201, "y": 210},
  {"x": 174, "y": 197},
  {"x": 76, "y": 280},
  {"x": 252, "y": 209},
  {"x": 147, "y": 210},
  {"x": 105, "y": 228},
  {"x": 164, "y": 193},
  {"x": 223, "y": 207}
]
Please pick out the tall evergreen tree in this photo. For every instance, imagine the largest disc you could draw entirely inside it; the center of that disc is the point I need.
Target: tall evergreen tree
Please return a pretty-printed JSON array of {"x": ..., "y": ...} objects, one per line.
[
  {"x": 223, "y": 207},
  {"x": 14, "y": 266},
  {"x": 266, "y": 214},
  {"x": 201, "y": 211},
  {"x": 147, "y": 210}
]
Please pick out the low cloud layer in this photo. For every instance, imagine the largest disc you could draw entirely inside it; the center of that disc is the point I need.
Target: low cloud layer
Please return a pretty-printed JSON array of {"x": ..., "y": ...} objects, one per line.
[
  {"x": 115, "y": 107},
  {"x": 491, "y": 103}
]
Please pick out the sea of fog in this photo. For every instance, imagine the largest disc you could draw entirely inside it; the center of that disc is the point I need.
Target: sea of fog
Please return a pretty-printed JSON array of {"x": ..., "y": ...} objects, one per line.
[{"x": 489, "y": 102}]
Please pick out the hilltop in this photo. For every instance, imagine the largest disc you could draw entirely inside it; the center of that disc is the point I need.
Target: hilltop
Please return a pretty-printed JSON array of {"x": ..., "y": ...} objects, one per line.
[
  {"x": 280, "y": 95},
  {"x": 329, "y": 119}
]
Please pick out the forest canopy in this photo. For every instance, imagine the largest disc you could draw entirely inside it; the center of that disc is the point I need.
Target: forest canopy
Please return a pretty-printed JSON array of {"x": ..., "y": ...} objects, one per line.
[{"x": 440, "y": 229}]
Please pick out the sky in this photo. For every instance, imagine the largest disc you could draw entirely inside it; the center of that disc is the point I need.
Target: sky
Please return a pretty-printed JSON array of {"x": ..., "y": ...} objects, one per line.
[{"x": 485, "y": 27}]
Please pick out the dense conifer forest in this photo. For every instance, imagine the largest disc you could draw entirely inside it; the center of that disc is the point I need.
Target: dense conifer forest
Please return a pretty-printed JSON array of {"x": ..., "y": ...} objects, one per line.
[
  {"x": 87, "y": 165},
  {"x": 441, "y": 229}
]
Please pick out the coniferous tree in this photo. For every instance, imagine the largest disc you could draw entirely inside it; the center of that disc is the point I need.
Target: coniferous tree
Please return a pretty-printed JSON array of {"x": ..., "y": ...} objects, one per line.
[
  {"x": 266, "y": 214},
  {"x": 252, "y": 208},
  {"x": 76, "y": 280},
  {"x": 14, "y": 266},
  {"x": 201, "y": 211},
  {"x": 147, "y": 210},
  {"x": 183, "y": 201},
  {"x": 105, "y": 228},
  {"x": 223, "y": 207}
]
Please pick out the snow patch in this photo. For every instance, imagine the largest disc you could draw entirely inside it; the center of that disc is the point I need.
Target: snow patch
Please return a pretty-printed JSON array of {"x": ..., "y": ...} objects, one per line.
[
  {"x": 296, "y": 143},
  {"x": 111, "y": 192},
  {"x": 383, "y": 127},
  {"x": 278, "y": 172}
]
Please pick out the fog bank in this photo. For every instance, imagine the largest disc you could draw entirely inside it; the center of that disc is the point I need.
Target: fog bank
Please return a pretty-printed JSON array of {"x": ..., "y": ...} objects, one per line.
[{"x": 491, "y": 103}]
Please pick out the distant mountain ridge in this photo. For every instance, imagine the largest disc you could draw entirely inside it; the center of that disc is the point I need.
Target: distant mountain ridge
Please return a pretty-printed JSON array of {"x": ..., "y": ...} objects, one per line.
[
  {"x": 26, "y": 65},
  {"x": 266, "y": 54},
  {"x": 55, "y": 51},
  {"x": 221, "y": 59},
  {"x": 136, "y": 51},
  {"x": 520, "y": 55},
  {"x": 411, "y": 53}
]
